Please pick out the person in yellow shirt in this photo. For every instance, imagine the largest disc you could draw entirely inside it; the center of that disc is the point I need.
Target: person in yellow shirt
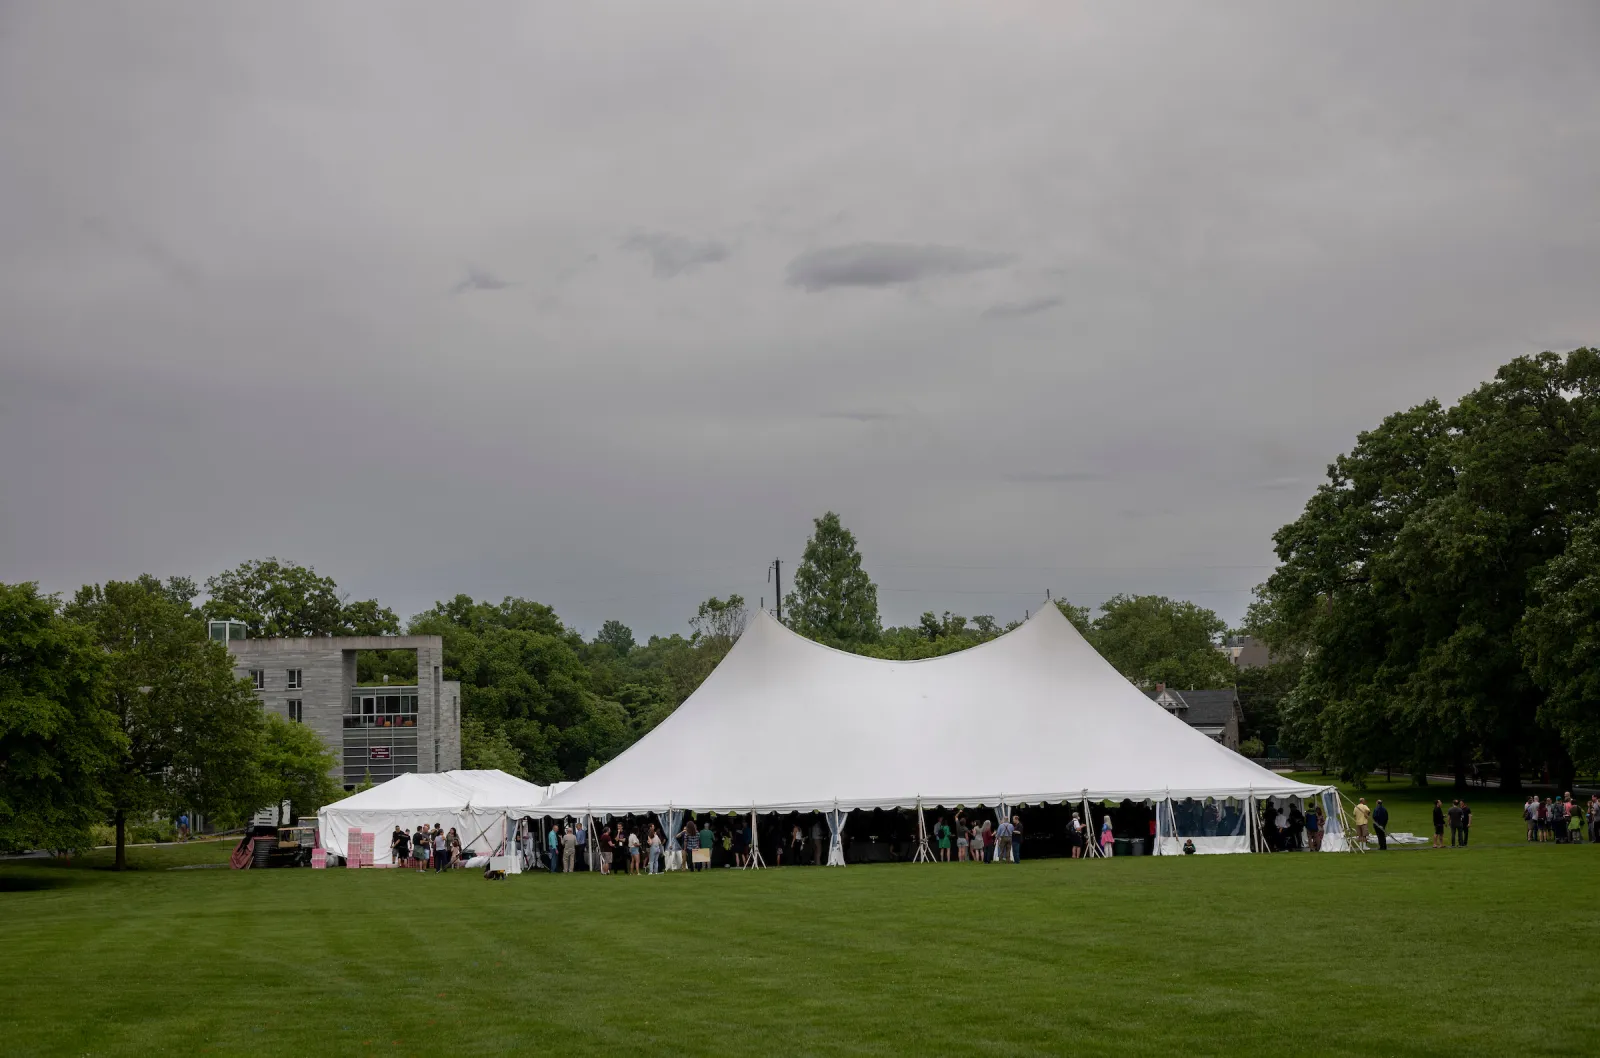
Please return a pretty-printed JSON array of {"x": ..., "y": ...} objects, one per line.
[{"x": 1363, "y": 817}]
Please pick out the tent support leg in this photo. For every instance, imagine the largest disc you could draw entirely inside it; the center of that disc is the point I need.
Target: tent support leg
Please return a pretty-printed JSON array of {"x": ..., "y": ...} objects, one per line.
[
  {"x": 923, "y": 853},
  {"x": 754, "y": 862}
]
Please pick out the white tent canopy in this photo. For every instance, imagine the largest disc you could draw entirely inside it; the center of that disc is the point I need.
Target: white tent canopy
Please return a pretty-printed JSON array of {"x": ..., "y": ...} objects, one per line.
[
  {"x": 786, "y": 724},
  {"x": 475, "y": 803}
]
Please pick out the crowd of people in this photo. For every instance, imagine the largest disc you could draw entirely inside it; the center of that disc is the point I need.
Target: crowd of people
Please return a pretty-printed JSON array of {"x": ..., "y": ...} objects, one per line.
[
  {"x": 1561, "y": 819},
  {"x": 427, "y": 847}
]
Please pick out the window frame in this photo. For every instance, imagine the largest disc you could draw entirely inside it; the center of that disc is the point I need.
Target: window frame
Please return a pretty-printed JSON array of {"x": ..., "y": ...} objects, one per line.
[
  {"x": 258, "y": 678},
  {"x": 296, "y": 679}
]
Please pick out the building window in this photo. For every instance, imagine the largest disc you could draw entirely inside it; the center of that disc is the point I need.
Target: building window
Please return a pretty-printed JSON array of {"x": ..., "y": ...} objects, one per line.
[
  {"x": 259, "y": 678},
  {"x": 297, "y": 711},
  {"x": 294, "y": 680}
]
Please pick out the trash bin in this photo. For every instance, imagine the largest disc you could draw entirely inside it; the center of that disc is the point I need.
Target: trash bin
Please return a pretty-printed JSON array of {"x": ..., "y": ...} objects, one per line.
[
  {"x": 1121, "y": 848},
  {"x": 1136, "y": 846}
]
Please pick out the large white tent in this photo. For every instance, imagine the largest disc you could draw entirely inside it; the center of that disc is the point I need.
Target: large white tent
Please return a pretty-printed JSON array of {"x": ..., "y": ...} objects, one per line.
[
  {"x": 477, "y": 804},
  {"x": 1036, "y": 715}
]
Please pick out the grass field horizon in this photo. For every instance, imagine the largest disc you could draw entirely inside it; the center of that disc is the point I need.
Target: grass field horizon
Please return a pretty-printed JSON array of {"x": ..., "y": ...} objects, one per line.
[{"x": 1406, "y": 953}]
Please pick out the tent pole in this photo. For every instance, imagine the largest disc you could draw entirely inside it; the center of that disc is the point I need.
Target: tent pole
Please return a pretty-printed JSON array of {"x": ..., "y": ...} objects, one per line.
[
  {"x": 754, "y": 861},
  {"x": 1091, "y": 833},
  {"x": 923, "y": 853}
]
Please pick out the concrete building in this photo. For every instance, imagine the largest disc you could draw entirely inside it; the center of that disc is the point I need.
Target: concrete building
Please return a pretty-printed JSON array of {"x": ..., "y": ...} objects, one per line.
[{"x": 380, "y": 731}]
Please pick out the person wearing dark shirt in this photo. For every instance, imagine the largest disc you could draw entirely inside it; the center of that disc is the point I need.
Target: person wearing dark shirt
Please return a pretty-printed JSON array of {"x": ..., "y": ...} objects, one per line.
[
  {"x": 1454, "y": 816},
  {"x": 1438, "y": 824},
  {"x": 605, "y": 850},
  {"x": 1380, "y": 823},
  {"x": 1466, "y": 822}
]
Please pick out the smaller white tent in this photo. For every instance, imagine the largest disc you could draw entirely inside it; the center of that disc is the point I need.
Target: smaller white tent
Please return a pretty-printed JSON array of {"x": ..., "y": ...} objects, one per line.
[{"x": 476, "y": 803}]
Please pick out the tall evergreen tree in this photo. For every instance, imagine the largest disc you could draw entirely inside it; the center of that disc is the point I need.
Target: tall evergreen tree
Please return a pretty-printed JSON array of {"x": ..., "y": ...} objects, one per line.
[{"x": 833, "y": 601}]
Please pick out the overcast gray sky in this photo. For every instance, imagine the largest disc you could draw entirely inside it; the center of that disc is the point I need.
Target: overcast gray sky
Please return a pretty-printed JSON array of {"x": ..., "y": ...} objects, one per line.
[{"x": 601, "y": 304}]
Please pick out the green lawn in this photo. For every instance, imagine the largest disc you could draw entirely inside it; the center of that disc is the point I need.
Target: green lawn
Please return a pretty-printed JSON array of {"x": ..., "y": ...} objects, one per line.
[{"x": 1408, "y": 953}]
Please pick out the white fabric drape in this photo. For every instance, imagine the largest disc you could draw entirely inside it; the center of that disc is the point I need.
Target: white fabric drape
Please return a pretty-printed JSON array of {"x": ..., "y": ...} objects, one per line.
[
  {"x": 835, "y": 819},
  {"x": 1334, "y": 839},
  {"x": 671, "y": 849},
  {"x": 1166, "y": 830}
]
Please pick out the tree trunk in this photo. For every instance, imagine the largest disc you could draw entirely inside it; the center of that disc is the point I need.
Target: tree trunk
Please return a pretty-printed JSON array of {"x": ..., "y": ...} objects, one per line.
[
  {"x": 122, "y": 841},
  {"x": 1461, "y": 771}
]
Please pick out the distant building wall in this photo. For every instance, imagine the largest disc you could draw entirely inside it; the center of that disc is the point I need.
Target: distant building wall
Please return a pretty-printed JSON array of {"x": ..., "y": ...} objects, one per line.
[{"x": 425, "y": 737}]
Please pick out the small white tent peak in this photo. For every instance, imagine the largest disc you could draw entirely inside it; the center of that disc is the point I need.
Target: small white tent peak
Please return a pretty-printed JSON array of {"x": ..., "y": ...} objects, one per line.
[{"x": 1034, "y": 715}]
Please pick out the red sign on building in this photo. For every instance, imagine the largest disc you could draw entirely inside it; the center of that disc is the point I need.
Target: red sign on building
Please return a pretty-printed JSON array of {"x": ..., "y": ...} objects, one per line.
[{"x": 378, "y": 753}]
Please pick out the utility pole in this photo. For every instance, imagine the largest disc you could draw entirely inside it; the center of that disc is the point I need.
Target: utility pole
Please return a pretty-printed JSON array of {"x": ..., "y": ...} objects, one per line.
[{"x": 775, "y": 575}]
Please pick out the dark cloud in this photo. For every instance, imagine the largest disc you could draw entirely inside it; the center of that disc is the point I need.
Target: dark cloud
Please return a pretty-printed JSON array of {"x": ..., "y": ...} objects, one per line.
[
  {"x": 1009, "y": 309},
  {"x": 672, "y": 255},
  {"x": 882, "y": 264},
  {"x": 479, "y": 280}
]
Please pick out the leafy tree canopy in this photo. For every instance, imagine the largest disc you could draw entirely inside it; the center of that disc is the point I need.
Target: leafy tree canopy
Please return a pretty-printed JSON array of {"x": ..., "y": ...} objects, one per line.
[
  {"x": 56, "y": 738},
  {"x": 276, "y": 599},
  {"x": 190, "y": 731}
]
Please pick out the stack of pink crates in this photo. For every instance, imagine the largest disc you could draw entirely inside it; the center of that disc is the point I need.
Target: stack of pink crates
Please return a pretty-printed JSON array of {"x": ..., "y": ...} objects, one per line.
[{"x": 360, "y": 849}]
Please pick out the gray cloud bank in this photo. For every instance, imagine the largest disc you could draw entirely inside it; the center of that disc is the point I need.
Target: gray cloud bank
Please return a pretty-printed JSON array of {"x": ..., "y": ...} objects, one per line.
[{"x": 882, "y": 264}]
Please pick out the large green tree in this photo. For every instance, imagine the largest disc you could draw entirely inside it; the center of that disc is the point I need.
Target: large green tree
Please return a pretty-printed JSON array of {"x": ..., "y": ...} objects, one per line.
[
  {"x": 833, "y": 601},
  {"x": 275, "y": 598},
  {"x": 190, "y": 731},
  {"x": 293, "y": 764},
  {"x": 1152, "y": 639},
  {"x": 56, "y": 737},
  {"x": 1407, "y": 577},
  {"x": 1560, "y": 639}
]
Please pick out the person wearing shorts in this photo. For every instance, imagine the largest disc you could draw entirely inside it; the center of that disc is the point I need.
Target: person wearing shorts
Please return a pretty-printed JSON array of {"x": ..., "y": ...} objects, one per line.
[
  {"x": 633, "y": 852},
  {"x": 961, "y": 844}
]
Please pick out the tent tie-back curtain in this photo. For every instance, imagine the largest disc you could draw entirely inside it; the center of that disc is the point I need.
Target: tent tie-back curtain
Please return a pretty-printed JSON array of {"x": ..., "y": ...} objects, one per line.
[
  {"x": 836, "y": 836},
  {"x": 754, "y": 860},
  {"x": 1002, "y": 812},
  {"x": 671, "y": 823},
  {"x": 1166, "y": 826}
]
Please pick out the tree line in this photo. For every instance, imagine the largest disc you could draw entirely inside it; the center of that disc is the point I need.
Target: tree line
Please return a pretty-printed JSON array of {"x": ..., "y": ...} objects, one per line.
[
  {"x": 115, "y": 704},
  {"x": 1437, "y": 603}
]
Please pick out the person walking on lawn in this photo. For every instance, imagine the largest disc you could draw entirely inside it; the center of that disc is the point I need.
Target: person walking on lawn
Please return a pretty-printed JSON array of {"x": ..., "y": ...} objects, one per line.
[
  {"x": 1380, "y": 823},
  {"x": 1438, "y": 825}
]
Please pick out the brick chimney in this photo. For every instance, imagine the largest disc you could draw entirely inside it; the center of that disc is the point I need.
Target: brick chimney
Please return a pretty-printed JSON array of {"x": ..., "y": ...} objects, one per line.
[{"x": 1160, "y": 688}]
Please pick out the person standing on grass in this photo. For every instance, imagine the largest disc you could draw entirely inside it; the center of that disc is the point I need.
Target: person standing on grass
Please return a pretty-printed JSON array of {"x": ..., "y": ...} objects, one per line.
[
  {"x": 1543, "y": 813},
  {"x": 569, "y": 849},
  {"x": 1363, "y": 819},
  {"x": 1313, "y": 825},
  {"x": 1108, "y": 838},
  {"x": 797, "y": 845},
  {"x": 1558, "y": 820},
  {"x": 1530, "y": 817},
  {"x": 183, "y": 827},
  {"x": 552, "y": 840},
  {"x": 441, "y": 851},
  {"x": 1016, "y": 839},
  {"x": 1002, "y": 836},
  {"x": 1454, "y": 815},
  {"x": 1380, "y": 823},
  {"x": 941, "y": 837},
  {"x": 1575, "y": 814},
  {"x": 1075, "y": 836},
  {"x": 419, "y": 849},
  {"x": 399, "y": 847},
  {"x": 580, "y": 842},
  {"x": 633, "y": 852},
  {"x": 1438, "y": 824},
  {"x": 816, "y": 843},
  {"x": 605, "y": 849}
]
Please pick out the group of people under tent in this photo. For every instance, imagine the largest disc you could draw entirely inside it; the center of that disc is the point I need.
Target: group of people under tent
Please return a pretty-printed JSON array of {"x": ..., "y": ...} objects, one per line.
[
  {"x": 1562, "y": 819},
  {"x": 427, "y": 847},
  {"x": 1287, "y": 827},
  {"x": 640, "y": 844}
]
